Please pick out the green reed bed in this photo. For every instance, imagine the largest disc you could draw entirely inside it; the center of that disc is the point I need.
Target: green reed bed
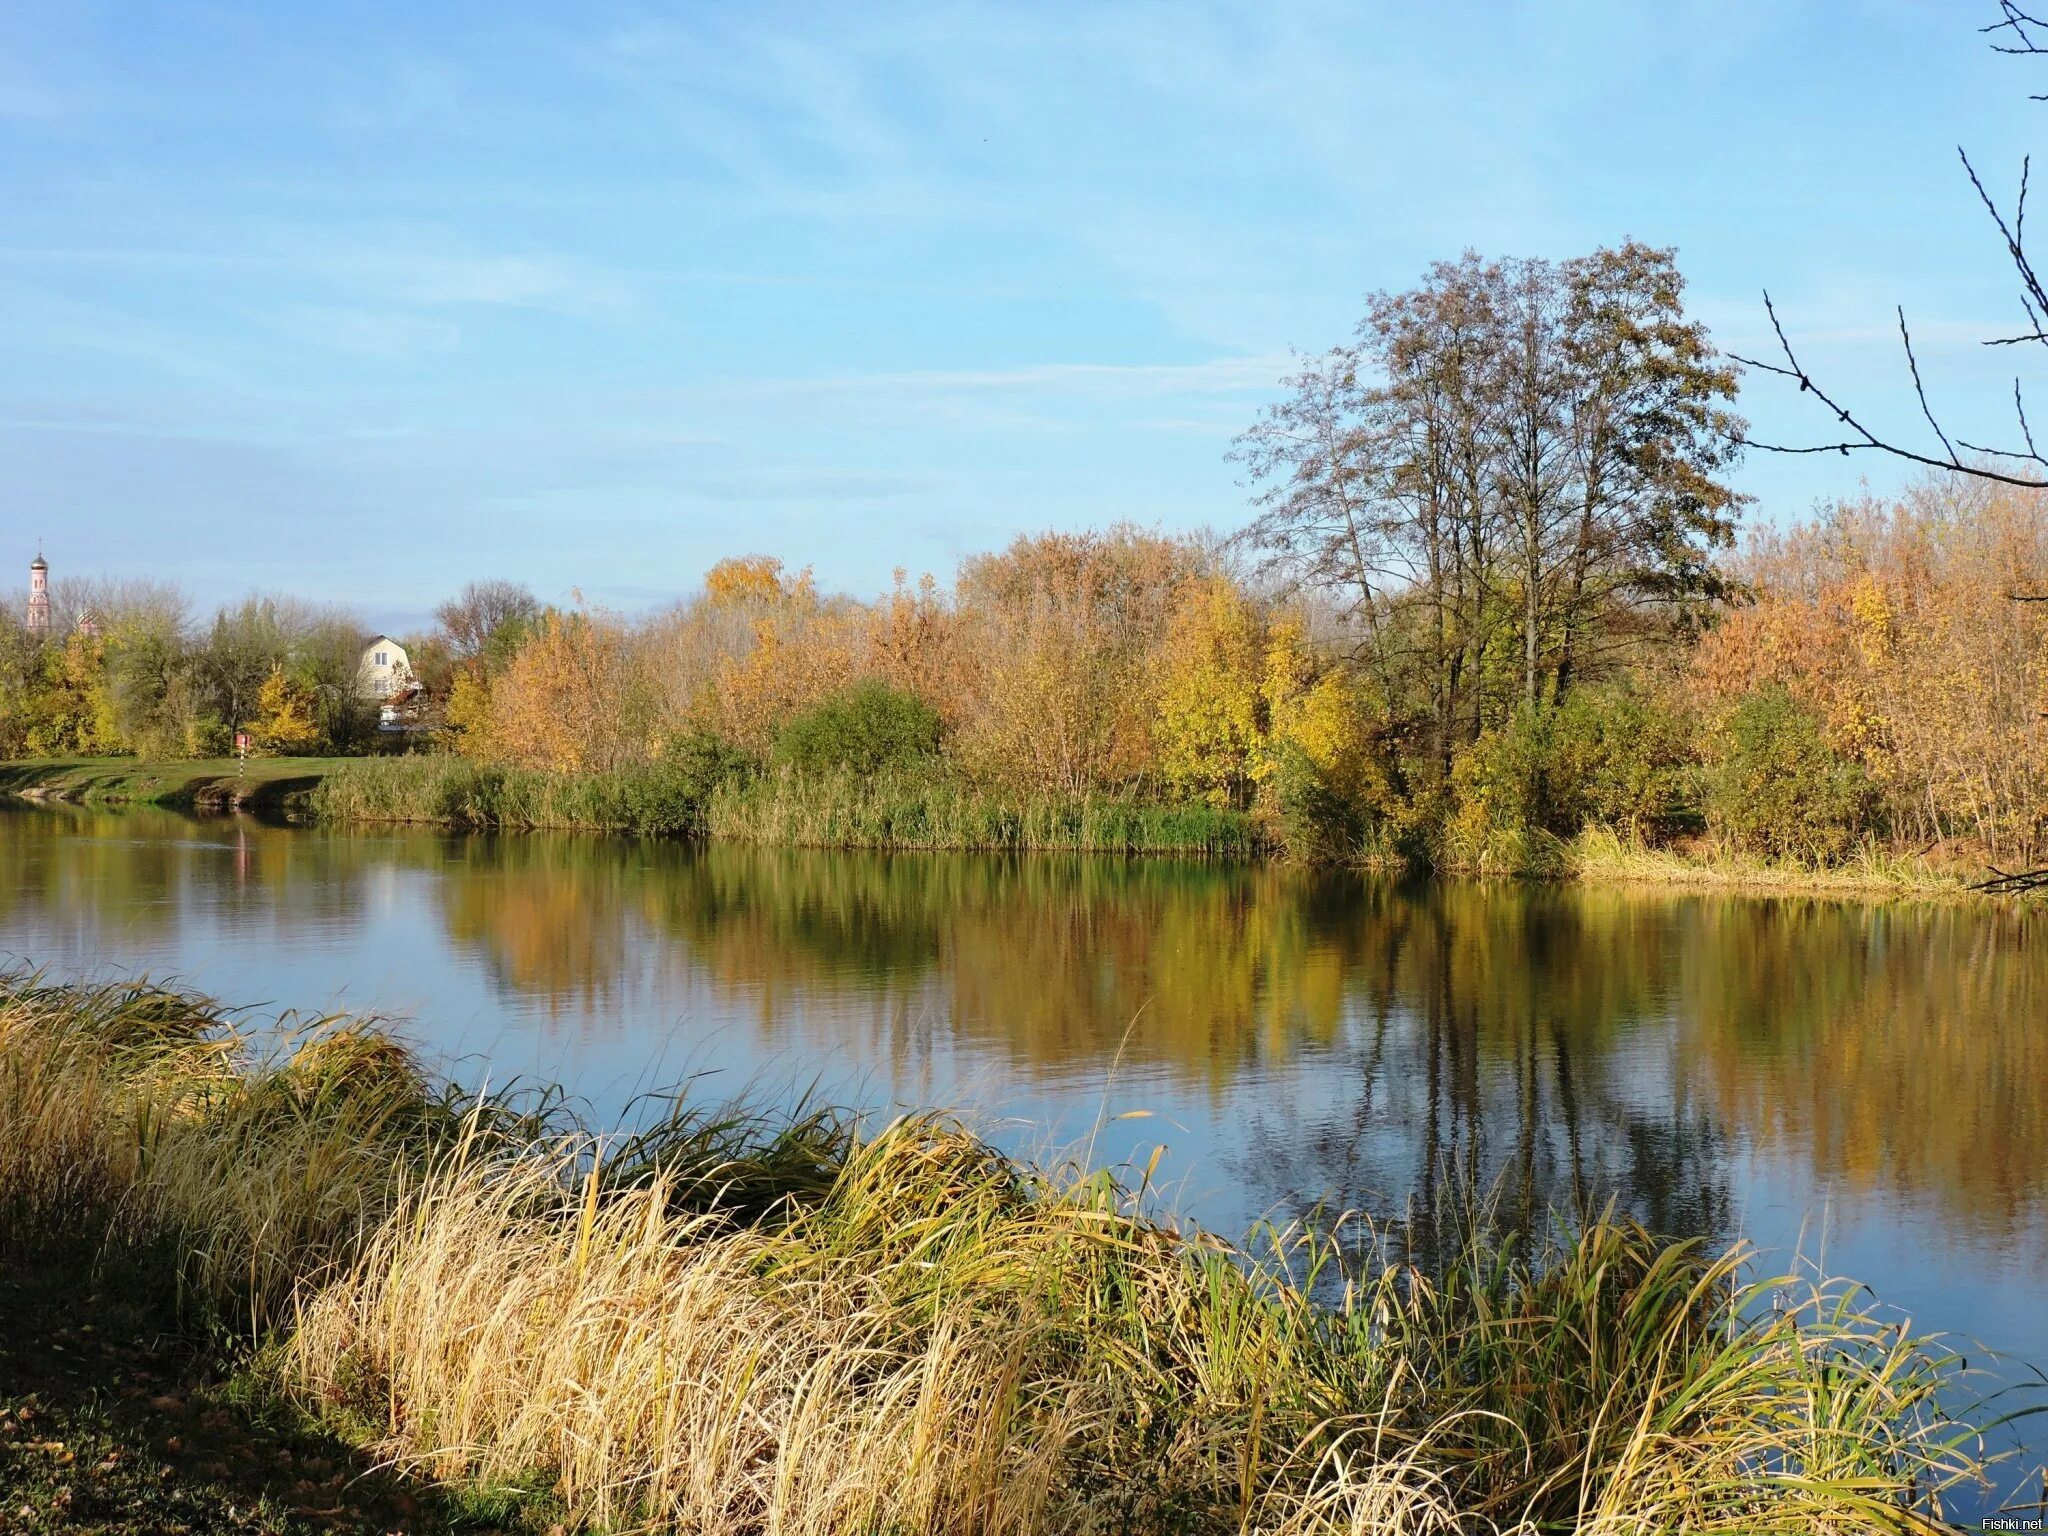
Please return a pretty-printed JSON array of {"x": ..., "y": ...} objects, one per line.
[
  {"x": 903, "y": 810},
  {"x": 897, "y": 810},
  {"x": 441, "y": 790},
  {"x": 738, "y": 1322}
]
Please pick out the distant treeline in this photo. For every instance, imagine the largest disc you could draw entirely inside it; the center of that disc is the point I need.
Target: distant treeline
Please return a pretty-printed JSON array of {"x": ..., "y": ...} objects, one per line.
[{"x": 1491, "y": 599}]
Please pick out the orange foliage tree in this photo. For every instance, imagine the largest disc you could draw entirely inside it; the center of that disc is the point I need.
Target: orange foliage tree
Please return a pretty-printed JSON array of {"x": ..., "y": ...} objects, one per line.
[
  {"x": 1904, "y": 625},
  {"x": 779, "y": 648},
  {"x": 1062, "y": 629},
  {"x": 574, "y": 698}
]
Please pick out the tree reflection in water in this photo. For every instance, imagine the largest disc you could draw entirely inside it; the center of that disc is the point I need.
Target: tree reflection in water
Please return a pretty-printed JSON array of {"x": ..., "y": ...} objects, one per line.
[{"x": 1347, "y": 1038}]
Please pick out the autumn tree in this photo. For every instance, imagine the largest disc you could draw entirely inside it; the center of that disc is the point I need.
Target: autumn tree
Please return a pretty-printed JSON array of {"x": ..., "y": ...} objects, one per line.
[
  {"x": 1511, "y": 478},
  {"x": 1892, "y": 622},
  {"x": 914, "y": 644},
  {"x": 1061, "y": 629},
  {"x": 318, "y": 645},
  {"x": 285, "y": 721},
  {"x": 574, "y": 698},
  {"x": 145, "y": 627},
  {"x": 487, "y": 620},
  {"x": 772, "y": 648},
  {"x": 1212, "y": 727},
  {"x": 69, "y": 707}
]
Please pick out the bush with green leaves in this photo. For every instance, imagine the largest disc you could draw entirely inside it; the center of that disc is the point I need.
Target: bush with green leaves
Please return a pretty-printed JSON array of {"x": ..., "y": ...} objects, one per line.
[
  {"x": 1778, "y": 787},
  {"x": 1611, "y": 756},
  {"x": 1641, "y": 772},
  {"x": 868, "y": 728},
  {"x": 1313, "y": 822},
  {"x": 706, "y": 760}
]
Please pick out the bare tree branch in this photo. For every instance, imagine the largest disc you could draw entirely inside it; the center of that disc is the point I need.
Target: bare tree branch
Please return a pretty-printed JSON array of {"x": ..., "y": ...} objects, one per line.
[
  {"x": 1865, "y": 440},
  {"x": 2019, "y": 31}
]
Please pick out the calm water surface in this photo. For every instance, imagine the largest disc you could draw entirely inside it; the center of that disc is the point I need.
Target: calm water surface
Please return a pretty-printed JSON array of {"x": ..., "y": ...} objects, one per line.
[{"x": 1867, "y": 1084}]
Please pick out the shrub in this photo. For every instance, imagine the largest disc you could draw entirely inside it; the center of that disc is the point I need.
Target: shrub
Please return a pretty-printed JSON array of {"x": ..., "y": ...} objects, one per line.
[
  {"x": 1778, "y": 787},
  {"x": 208, "y": 736},
  {"x": 1315, "y": 823},
  {"x": 1607, "y": 756},
  {"x": 866, "y": 728},
  {"x": 1638, "y": 769},
  {"x": 707, "y": 760}
]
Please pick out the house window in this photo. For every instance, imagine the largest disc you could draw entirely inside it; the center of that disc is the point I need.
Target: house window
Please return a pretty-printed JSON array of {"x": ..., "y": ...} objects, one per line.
[{"x": 381, "y": 658}]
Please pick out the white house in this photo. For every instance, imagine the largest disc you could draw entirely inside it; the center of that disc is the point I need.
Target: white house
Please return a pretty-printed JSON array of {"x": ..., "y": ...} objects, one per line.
[{"x": 382, "y": 670}]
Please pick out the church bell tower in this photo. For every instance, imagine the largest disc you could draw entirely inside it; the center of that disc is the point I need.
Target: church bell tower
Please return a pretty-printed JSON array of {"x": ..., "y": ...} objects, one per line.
[{"x": 39, "y": 595}]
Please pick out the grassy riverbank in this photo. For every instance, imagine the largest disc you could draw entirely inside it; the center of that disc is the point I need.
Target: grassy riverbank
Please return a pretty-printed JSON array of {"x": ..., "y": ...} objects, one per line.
[
  {"x": 741, "y": 1322},
  {"x": 844, "y": 810},
  {"x": 114, "y": 1423},
  {"x": 1600, "y": 856},
  {"x": 267, "y": 784}
]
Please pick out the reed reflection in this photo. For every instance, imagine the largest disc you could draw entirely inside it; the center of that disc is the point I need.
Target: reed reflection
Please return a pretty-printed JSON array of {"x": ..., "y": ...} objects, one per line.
[{"x": 1348, "y": 1038}]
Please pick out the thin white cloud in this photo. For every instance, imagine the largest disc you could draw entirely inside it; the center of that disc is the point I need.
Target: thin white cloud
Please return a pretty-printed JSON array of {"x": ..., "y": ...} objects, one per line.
[
  {"x": 1076, "y": 381},
  {"x": 367, "y": 333}
]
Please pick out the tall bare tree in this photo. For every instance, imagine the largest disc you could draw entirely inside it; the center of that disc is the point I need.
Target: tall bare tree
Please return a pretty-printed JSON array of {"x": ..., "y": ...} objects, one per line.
[
  {"x": 1512, "y": 470},
  {"x": 483, "y": 612}
]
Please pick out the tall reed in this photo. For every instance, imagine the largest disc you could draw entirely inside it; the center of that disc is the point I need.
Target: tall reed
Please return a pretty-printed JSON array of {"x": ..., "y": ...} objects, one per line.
[
  {"x": 442, "y": 790},
  {"x": 747, "y": 1323},
  {"x": 842, "y": 809},
  {"x": 902, "y": 810}
]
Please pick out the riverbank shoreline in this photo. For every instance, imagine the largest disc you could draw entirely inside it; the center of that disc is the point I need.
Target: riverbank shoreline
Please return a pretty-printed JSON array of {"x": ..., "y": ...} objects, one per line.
[
  {"x": 805, "y": 1320},
  {"x": 274, "y": 786},
  {"x": 1600, "y": 857},
  {"x": 927, "y": 816}
]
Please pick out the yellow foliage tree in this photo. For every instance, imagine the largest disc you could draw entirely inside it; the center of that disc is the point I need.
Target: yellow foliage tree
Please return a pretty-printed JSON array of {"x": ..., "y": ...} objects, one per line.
[
  {"x": 1211, "y": 731},
  {"x": 72, "y": 709},
  {"x": 1328, "y": 723},
  {"x": 754, "y": 579},
  {"x": 284, "y": 715},
  {"x": 469, "y": 713}
]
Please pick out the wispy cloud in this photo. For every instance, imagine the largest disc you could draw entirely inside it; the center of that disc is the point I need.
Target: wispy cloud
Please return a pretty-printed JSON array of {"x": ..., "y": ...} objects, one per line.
[
  {"x": 1069, "y": 381},
  {"x": 410, "y": 271},
  {"x": 364, "y": 333},
  {"x": 1042, "y": 397}
]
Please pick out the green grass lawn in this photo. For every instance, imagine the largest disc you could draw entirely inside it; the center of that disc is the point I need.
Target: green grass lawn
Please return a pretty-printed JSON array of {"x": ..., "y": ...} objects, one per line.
[{"x": 262, "y": 784}]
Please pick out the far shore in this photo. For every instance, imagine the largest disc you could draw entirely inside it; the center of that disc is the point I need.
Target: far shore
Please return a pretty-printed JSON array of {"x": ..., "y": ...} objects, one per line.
[
  {"x": 291, "y": 788},
  {"x": 274, "y": 785}
]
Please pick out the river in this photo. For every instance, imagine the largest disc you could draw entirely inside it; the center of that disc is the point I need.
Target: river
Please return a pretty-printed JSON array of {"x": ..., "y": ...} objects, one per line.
[{"x": 1863, "y": 1086}]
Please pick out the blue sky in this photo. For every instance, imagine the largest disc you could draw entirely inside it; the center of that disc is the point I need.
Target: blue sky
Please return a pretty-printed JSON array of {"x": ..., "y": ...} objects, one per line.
[{"x": 362, "y": 301}]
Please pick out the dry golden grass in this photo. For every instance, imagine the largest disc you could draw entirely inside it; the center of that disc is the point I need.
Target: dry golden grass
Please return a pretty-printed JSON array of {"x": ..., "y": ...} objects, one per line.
[
  {"x": 737, "y": 1324},
  {"x": 1602, "y": 856}
]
